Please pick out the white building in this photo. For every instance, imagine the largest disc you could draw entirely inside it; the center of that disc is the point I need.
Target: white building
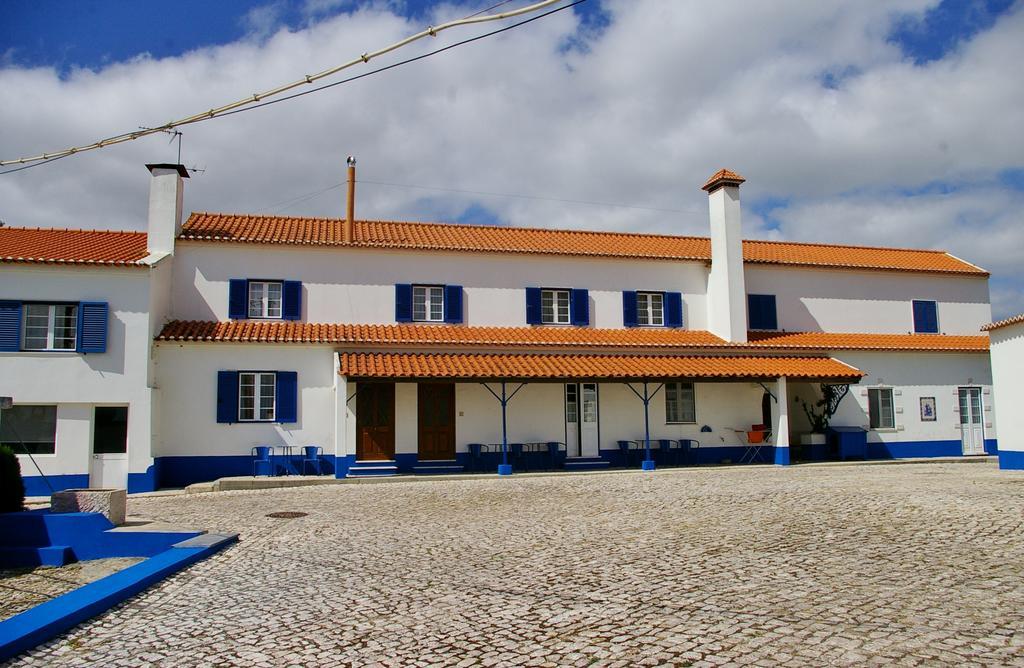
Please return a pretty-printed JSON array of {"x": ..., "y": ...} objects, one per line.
[
  {"x": 162, "y": 359},
  {"x": 1007, "y": 339}
]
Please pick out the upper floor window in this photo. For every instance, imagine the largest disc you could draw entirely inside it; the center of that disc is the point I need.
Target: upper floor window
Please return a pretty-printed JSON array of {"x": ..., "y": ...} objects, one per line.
[
  {"x": 50, "y": 327},
  {"x": 680, "y": 403},
  {"x": 650, "y": 309},
  {"x": 926, "y": 317},
  {"x": 880, "y": 408},
  {"x": 428, "y": 303},
  {"x": 558, "y": 306},
  {"x": 761, "y": 312},
  {"x": 265, "y": 299},
  {"x": 554, "y": 307}
]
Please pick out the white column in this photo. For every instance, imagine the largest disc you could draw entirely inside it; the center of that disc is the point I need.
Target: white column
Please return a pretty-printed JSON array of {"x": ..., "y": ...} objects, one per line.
[
  {"x": 727, "y": 294},
  {"x": 342, "y": 389},
  {"x": 781, "y": 427}
]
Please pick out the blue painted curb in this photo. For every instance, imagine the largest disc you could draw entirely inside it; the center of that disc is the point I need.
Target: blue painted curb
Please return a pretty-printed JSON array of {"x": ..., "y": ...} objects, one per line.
[{"x": 46, "y": 620}]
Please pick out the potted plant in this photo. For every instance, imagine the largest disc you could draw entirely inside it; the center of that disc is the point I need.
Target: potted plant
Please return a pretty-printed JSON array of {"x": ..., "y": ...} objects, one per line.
[{"x": 819, "y": 414}]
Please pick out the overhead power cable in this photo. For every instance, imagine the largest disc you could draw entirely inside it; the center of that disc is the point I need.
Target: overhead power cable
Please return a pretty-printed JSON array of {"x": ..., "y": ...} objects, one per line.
[{"x": 255, "y": 98}]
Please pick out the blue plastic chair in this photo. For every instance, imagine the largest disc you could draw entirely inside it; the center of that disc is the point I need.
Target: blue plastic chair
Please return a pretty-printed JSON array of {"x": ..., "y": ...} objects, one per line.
[
  {"x": 476, "y": 458},
  {"x": 688, "y": 450},
  {"x": 554, "y": 450},
  {"x": 311, "y": 458},
  {"x": 668, "y": 453},
  {"x": 624, "y": 451},
  {"x": 261, "y": 457},
  {"x": 516, "y": 456}
]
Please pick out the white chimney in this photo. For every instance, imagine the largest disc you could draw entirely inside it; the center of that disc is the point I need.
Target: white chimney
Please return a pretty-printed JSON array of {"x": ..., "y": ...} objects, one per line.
[
  {"x": 727, "y": 293},
  {"x": 166, "y": 193}
]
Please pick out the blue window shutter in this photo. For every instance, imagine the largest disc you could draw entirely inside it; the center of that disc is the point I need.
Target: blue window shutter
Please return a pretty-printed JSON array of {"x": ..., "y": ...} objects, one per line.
[
  {"x": 291, "y": 292},
  {"x": 238, "y": 299},
  {"x": 453, "y": 304},
  {"x": 629, "y": 308},
  {"x": 533, "y": 306},
  {"x": 403, "y": 302},
  {"x": 673, "y": 309},
  {"x": 287, "y": 408},
  {"x": 92, "y": 327},
  {"x": 10, "y": 326},
  {"x": 227, "y": 397},
  {"x": 926, "y": 319},
  {"x": 580, "y": 307},
  {"x": 761, "y": 312}
]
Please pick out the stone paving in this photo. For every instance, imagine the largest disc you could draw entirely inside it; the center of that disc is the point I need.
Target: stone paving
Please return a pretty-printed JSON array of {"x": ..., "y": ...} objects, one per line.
[{"x": 917, "y": 564}]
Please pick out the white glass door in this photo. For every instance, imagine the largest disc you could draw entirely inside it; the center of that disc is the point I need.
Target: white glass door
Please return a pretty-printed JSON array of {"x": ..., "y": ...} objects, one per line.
[
  {"x": 972, "y": 431},
  {"x": 572, "y": 420},
  {"x": 588, "y": 420}
]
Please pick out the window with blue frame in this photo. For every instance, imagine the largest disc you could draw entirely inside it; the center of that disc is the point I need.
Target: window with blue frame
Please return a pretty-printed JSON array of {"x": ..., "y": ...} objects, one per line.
[
  {"x": 53, "y": 326},
  {"x": 257, "y": 396},
  {"x": 652, "y": 309},
  {"x": 926, "y": 317},
  {"x": 761, "y": 312},
  {"x": 558, "y": 306},
  {"x": 264, "y": 299},
  {"x": 428, "y": 303}
]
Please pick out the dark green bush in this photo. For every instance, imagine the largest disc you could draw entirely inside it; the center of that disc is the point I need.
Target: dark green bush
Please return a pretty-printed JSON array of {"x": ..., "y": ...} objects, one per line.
[{"x": 12, "y": 488}]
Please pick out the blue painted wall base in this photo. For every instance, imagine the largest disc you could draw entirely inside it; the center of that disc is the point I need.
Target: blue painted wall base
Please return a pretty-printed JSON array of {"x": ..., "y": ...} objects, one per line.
[
  {"x": 1011, "y": 459},
  {"x": 35, "y": 485}
]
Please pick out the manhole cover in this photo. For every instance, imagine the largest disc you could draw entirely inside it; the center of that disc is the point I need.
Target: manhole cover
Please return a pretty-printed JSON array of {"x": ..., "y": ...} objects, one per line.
[{"x": 287, "y": 515}]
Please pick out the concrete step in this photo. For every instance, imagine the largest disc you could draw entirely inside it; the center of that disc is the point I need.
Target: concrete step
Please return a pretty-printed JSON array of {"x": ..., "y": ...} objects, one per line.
[
  {"x": 585, "y": 464},
  {"x": 437, "y": 467},
  {"x": 29, "y": 557},
  {"x": 374, "y": 469}
]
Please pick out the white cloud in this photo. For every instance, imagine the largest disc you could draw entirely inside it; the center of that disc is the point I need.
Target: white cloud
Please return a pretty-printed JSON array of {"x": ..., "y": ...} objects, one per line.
[{"x": 656, "y": 101}]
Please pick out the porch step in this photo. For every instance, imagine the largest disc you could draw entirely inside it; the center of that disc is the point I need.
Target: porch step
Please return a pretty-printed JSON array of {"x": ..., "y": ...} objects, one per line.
[
  {"x": 437, "y": 467},
  {"x": 585, "y": 464},
  {"x": 377, "y": 469}
]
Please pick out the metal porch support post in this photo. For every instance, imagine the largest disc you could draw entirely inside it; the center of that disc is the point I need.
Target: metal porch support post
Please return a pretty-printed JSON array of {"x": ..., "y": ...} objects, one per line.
[
  {"x": 781, "y": 426},
  {"x": 504, "y": 468},
  {"x": 648, "y": 463}
]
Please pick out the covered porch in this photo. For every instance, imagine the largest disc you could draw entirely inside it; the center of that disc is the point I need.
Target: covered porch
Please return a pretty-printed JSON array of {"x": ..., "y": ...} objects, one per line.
[{"x": 414, "y": 412}]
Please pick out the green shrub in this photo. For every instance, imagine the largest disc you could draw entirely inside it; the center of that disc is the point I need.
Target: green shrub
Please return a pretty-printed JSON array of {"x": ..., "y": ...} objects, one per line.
[{"x": 12, "y": 488}]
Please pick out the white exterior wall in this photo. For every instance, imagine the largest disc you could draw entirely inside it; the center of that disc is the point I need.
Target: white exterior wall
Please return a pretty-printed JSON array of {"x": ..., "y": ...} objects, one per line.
[
  {"x": 912, "y": 376},
  {"x": 358, "y": 286},
  {"x": 1007, "y": 367},
  {"x": 76, "y": 382},
  {"x": 187, "y": 377},
  {"x": 818, "y": 300}
]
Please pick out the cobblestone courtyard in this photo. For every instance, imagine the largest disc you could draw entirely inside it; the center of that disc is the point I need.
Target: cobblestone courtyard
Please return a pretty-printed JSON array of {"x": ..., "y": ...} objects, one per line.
[{"x": 908, "y": 564}]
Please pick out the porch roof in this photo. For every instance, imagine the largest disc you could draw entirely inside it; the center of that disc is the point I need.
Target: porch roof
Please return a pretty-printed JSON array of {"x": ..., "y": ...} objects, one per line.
[
  {"x": 481, "y": 366},
  {"x": 257, "y": 331}
]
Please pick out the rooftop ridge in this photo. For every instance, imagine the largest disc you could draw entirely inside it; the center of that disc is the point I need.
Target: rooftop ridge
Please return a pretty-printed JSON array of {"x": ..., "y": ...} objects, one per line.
[{"x": 71, "y": 229}]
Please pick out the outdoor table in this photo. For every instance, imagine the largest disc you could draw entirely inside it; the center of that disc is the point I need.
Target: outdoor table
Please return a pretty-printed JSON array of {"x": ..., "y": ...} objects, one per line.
[{"x": 287, "y": 451}]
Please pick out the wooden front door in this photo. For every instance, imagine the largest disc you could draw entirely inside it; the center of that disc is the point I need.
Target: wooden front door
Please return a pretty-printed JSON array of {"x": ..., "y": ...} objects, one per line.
[
  {"x": 375, "y": 421},
  {"x": 436, "y": 403}
]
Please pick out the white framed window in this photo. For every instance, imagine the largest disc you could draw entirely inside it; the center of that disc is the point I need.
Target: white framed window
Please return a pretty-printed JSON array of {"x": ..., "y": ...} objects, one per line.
[
  {"x": 680, "y": 403},
  {"x": 265, "y": 299},
  {"x": 880, "y": 408},
  {"x": 428, "y": 303},
  {"x": 50, "y": 327},
  {"x": 650, "y": 309},
  {"x": 30, "y": 428},
  {"x": 554, "y": 307},
  {"x": 257, "y": 396}
]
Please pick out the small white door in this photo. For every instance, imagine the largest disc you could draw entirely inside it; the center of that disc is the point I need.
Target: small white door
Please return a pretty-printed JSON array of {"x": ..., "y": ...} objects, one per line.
[
  {"x": 588, "y": 424},
  {"x": 109, "y": 465},
  {"x": 572, "y": 420},
  {"x": 972, "y": 428}
]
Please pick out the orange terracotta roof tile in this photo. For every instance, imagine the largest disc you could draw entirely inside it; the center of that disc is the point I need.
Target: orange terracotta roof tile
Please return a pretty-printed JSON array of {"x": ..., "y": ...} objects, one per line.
[
  {"x": 261, "y": 331},
  {"x": 59, "y": 246},
  {"x": 493, "y": 239},
  {"x": 622, "y": 367},
  {"x": 864, "y": 341},
  {"x": 1006, "y": 322},
  {"x": 721, "y": 178}
]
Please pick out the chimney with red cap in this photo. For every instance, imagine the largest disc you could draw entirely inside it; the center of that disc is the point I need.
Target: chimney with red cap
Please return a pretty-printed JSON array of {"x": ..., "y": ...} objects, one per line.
[{"x": 727, "y": 293}]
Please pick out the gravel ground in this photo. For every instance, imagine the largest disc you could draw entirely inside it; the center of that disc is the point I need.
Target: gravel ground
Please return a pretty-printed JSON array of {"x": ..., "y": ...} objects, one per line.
[
  {"x": 22, "y": 588},
  {"x": 913, "y": 564}
]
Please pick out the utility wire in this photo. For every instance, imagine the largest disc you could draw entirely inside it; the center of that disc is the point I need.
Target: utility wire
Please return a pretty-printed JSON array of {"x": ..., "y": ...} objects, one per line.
[{"x": 431, "y": 31}]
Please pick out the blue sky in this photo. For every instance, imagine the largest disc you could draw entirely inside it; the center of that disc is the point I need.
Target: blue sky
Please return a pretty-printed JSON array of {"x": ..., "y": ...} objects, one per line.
[{"x": 892, "y": 123}]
